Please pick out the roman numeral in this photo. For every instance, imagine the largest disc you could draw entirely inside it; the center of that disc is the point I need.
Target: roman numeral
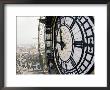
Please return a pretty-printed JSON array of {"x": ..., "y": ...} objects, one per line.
[
  {"x": 80, "y": 18},
  {"x": 89, "y": 53},
  {"x": 72, "y": 61},
  {"x": 88, "y": 28},
  {"x": 78, "y": 44},
  {"x": 79, "y": 70},
  {"x": 83, "y": 65},
  {"x": 85, "y": 21},
  {"x": 89, "y": 36},
  {"x": 87, "y": 60},
  {"x": 66, "y": 66},
  {"x": 71, "y": 26},
  {"x": 76, "y": 70}
]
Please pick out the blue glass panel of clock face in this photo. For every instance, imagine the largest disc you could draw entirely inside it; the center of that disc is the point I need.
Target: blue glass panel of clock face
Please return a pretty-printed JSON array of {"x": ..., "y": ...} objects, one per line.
[{"x": 74, "y": 44}]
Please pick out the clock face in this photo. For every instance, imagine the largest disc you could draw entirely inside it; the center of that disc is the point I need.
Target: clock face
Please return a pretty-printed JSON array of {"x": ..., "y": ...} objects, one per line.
[{"x": 74, "y": 44}]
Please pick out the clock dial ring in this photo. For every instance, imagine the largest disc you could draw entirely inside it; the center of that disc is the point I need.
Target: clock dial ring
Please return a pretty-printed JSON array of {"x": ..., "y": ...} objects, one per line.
[
  {"x": 71, "y": 34},
  {"x": 84, "y": 45},
  {"x": 91, "y": 65}
]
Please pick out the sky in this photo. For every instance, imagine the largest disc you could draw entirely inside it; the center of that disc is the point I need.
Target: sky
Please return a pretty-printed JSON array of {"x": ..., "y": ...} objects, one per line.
[{"x": 27, "y": 31}]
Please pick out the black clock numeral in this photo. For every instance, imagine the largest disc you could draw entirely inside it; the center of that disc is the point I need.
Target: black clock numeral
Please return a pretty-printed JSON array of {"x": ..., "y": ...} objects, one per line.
[
  {"x": 87, "y": 60},
  {"x": 89, "y": 53},
  {"x": 83, "y": 65},
  {"x": 89, "y": 36},
  {"x": 88, "y": 28},
  {"x": 85, "y": 21},
  {"x": 71, "y": 26},
  {"x": 79, "y": 70},
  {"x": 66, "y": 66},
  {"x": 78, "y": 44},
  {"x": 76, "y": 70},
  {"x": 79, "y": 17},
  {"x": 91, "y": 46},
  {"x": 72, "y": 61}
]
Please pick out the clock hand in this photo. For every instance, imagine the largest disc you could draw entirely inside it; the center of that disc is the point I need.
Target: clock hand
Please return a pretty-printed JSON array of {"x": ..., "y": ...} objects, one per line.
[
  {"x": 61, "y": 42},
  {"x": 62, "y": 45},
  {"x": 60, "y": 35}
]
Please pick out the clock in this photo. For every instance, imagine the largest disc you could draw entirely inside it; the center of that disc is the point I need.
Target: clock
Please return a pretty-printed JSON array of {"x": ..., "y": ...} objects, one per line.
[{"x": 74, "y": 44}]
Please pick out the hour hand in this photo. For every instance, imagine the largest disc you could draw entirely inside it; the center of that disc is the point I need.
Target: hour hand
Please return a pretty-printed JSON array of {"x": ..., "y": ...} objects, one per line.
[
  {"x": 61, "y": 41},
  {"x": 62, "y": 44},
  {"x": 60, "y": 35}
]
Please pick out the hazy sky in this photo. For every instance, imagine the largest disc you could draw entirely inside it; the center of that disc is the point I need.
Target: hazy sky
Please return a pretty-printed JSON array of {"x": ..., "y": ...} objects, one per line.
[{"x": 27, "y": 30}]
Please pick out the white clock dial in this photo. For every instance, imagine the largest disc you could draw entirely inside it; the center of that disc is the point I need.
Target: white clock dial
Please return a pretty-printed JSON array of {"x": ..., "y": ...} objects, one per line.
[
  {"x": 74, "y": 44},
  {"x": 66, "y": 52}
]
